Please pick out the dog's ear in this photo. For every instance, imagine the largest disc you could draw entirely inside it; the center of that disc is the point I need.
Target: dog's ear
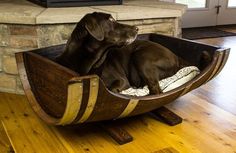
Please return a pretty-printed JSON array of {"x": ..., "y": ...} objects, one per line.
[{"x": 94, "y": 28}]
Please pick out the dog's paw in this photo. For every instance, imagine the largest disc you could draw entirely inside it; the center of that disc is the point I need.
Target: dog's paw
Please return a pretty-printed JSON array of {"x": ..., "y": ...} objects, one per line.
[{"x": 155, "y": 89}]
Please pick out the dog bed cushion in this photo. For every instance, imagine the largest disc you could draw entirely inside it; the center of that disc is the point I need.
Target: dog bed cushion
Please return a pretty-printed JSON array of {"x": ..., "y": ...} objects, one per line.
[{"x": 181, "y": 77}]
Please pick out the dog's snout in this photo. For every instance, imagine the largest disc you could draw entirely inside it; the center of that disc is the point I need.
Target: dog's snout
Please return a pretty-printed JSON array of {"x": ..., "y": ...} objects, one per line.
[{"x": 136, "y": 28}]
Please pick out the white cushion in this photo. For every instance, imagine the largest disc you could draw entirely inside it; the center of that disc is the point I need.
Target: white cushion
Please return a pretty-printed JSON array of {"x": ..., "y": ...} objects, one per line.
[{"x": 181, "y": 77}]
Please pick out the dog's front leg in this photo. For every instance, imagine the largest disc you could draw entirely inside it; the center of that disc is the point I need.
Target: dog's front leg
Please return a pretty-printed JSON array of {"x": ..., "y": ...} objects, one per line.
[
  {"x": 154, "y": 87},
  {"x": 150, "y": 75}
]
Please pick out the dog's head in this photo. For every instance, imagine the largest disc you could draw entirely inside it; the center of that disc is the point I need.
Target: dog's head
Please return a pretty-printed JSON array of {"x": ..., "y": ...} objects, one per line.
[
  {"x": 103, "y": 27},
  {"x": 91, "y": 38}
]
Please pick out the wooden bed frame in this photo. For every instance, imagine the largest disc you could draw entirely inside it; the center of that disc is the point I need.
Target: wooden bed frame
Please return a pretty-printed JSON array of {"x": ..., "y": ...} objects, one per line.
[{"x": 61, "y": 96}]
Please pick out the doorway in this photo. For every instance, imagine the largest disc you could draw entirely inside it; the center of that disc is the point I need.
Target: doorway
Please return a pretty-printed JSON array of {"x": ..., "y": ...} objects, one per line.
[{"x": 203, "y": 13}]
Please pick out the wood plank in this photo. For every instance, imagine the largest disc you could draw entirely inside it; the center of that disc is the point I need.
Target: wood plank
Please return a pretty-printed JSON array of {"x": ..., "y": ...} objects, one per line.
[
  {"x": 120, "y": 135},
  {"x": 206, "y": 122},
  {"x": 167, "y": 150},
  {"x": 83, "y": 139},
  {"x": 26, "y": 132},
  {"x": 94, "y": 139},
  {"x": 5, "y": 145},
  {"x": 167, "y": 116},
  {"x": 168, "y": 135}
]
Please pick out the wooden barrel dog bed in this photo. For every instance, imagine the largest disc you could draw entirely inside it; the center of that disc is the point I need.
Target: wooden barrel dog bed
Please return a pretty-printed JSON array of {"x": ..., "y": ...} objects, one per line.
[{"x": 60, "y": 96}]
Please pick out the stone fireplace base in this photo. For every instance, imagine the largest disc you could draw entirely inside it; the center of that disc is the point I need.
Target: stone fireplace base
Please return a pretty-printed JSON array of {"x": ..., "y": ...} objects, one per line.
[{"x": 25, "y": 26}]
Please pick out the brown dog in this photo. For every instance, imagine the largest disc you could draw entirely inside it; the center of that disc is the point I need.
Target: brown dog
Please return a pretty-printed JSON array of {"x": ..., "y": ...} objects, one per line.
[
  {"x": 138, "y": 64},
  {"x": 100, "y": 45},
  {"x": 90, "y": 40}
]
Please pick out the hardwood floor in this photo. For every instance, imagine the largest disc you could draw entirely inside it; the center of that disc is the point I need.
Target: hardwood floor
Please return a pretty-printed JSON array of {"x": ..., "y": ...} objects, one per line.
[
  {"x": 5, "y": 145},
  {"x": 209, "y": 124},
  {"x": 221, "y": 90}
]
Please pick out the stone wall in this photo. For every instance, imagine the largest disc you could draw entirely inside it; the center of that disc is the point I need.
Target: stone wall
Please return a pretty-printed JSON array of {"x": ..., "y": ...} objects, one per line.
[
  {"x": 16, "y": 38},
  {"x": 168, "y": 26}
]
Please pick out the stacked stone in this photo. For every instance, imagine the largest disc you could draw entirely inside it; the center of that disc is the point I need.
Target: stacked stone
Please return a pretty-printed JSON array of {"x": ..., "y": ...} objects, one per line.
[
  {"x": 169, "y": 26},
  {"x": 17, "y": 38}
]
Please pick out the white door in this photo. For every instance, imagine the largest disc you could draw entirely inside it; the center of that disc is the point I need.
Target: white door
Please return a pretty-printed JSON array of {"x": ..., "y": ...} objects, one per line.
[
  {"x": 227, "y": 13},
  {"x": 202, "y": 13}
]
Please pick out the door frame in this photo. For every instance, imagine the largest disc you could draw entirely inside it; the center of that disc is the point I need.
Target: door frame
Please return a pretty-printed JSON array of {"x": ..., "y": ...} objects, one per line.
[
  {"x": 202, "y": 17},
  {"x": 226, "y": 13}
]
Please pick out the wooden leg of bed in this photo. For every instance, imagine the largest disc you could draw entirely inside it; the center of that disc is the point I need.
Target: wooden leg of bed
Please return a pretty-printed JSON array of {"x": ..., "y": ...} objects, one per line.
[
  {"x": 117, "y": 133},
  {"x": 167, "y": 116}
]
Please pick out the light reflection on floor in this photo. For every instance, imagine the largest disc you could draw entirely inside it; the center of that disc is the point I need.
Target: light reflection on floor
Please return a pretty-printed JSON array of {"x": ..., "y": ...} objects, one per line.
[{"x": 222, "y": 89}]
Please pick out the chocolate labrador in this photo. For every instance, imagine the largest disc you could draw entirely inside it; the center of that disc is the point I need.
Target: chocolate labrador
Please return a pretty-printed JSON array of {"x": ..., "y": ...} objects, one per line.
[
  {"x": 105, "y": 47},
  {"x": 90, "y": 40}
]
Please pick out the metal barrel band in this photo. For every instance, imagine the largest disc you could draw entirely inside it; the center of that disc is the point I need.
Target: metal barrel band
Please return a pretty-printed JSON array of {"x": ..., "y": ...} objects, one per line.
[
  {"x": 129, "y": 108},
  {"x": 93, "y": 94},
  {"x": 74, "y": 100}
]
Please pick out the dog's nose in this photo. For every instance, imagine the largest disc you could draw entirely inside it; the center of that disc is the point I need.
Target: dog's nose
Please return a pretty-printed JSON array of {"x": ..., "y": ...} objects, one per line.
[{"x": 136, "y": 28}]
